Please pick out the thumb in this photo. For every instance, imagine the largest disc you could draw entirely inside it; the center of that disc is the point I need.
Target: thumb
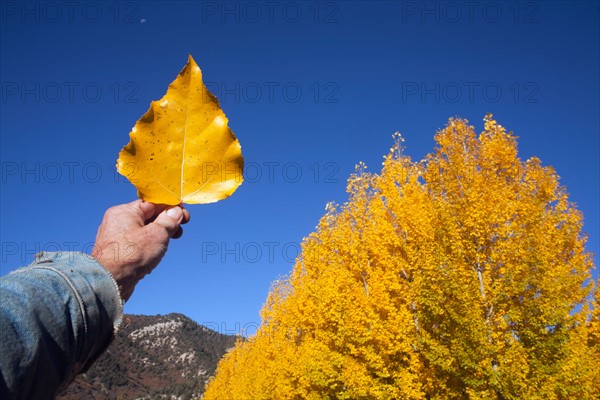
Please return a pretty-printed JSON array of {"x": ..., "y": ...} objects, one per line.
[{"x": 170, "y": 219}]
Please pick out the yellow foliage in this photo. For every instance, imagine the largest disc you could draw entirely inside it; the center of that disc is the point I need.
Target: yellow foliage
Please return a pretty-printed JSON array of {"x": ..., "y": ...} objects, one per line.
[
  {"x": 182, "y": 150},
  {"x": 460, "y": 276}
]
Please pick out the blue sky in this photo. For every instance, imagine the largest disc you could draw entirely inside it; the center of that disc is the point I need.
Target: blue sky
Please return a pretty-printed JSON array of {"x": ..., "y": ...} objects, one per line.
[{"x": 310, "y": 89}]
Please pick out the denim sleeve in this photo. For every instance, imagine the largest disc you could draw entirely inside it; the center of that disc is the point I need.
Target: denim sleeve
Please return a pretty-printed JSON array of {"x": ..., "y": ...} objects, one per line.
[{"x": 56, "y": 317}]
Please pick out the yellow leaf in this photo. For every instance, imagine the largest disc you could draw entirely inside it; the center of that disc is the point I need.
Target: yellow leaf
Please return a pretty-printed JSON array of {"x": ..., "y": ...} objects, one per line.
[{"x": 182, "y": 150}]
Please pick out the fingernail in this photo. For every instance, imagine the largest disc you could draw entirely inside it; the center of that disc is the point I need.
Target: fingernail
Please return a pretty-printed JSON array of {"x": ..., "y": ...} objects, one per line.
[{"x": 175, "y": 212}]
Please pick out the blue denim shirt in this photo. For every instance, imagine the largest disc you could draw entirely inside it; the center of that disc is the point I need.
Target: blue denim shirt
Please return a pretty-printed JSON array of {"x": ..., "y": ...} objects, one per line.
[{"x": 56, "y": 317}]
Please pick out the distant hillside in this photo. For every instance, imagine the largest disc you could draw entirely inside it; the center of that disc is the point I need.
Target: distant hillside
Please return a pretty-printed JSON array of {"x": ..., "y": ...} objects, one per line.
[{"x": 153, "y": 357}]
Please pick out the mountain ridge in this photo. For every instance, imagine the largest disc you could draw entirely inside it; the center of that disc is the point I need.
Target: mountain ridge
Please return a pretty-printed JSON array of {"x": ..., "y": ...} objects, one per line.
[{"x": 153, "y": 357}]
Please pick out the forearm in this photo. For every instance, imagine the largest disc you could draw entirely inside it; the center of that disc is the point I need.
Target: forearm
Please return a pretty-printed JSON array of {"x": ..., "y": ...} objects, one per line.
[{"x": 57, "y": 316}]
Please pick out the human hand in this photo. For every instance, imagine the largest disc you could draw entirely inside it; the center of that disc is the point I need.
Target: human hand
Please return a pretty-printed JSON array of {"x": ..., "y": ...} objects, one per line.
[{"x": 133, "y": 238}]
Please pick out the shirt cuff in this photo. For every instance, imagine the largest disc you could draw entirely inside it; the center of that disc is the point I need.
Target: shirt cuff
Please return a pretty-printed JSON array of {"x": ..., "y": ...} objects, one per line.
[{"x": 97, "y": 295}]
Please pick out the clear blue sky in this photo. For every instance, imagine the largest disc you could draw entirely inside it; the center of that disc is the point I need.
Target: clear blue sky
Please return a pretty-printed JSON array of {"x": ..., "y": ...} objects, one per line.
[{"x": 310, "y": 88}]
